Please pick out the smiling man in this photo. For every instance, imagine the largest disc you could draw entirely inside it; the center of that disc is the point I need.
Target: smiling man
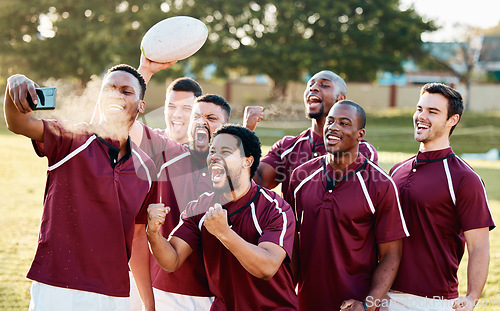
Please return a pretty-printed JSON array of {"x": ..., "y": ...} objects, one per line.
[
  {"x": 323, "y": 90},
  {"x": 93, "y": 223},
  {"x": 183, "y": 176},
  {"x": 349, "y": 221},
  {"x": 246, "y": 232},
  {"x": 446, "y": 206}
]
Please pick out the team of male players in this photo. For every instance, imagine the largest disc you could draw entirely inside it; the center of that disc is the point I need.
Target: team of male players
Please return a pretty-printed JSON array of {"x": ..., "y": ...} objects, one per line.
[{"x": 343, "y": 235}]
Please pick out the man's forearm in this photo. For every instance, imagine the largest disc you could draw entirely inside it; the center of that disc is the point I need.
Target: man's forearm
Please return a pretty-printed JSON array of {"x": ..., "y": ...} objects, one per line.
[
  {"x": 386, "y": 271},
  {"x": 163, "y": 252},
  {"x": 258, "y": 261},
  {"x": 139, "y": 265},
  {"x": 477, "y": 271}
]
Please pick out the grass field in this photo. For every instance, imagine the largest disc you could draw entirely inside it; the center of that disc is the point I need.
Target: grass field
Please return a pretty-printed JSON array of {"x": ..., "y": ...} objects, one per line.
[{"x": 23, "y": 182}]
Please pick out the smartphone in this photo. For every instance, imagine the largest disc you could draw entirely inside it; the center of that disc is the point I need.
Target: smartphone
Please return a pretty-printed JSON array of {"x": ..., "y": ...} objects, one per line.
[{"x": 46, "y": 98}]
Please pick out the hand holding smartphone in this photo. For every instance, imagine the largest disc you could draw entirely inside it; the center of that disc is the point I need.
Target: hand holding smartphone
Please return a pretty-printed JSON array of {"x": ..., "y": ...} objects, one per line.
[{"x": 46, "y": 99}]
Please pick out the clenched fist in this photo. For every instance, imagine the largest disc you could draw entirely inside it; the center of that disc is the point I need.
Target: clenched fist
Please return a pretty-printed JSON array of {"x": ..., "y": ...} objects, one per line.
[
  {"x": 252, "y": 116},
  {"x": 216, "y": 220},
  {"x": 156, "y": 216}
]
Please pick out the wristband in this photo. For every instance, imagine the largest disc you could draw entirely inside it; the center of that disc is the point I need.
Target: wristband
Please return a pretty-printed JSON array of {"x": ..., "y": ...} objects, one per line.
[{"x": 364, "y": 305}]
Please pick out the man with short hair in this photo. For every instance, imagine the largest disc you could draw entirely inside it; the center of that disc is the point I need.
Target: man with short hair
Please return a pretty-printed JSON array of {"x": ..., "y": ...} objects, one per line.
[
  {"x": 246, "y": 232},
  {"x": 93, "y": 223},
  {"x": 323, "y": 90},
  {"x": 182, "y": 177},
  {"x": 180, "y": 97},
  {"x": 349, "y": 221},
  {"x": 445, "y": 204}
]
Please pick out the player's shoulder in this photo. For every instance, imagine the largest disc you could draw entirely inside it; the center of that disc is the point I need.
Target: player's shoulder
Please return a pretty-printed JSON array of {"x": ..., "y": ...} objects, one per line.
[
  {"x": 459, "y": 167},
  {"x": 377, "y": 174},
  {"x": 309, "y": 171},
  {"x": 199, "y": 205},
  {"x": 66, "y": 128},
  {"x": 290, "y": 140},
  {"x": 310, "y": 166},
  {"x": 270, "y": 199},
  {"x": 401, "y": 165}
]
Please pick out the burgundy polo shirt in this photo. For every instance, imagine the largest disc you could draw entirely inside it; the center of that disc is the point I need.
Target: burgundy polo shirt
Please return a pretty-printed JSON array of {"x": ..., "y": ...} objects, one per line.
[
  {"x": 340, "y": 224},
  {"x": 91, "y": 205},
  {"x": 290, "y": 152},
  {"x": 181, "y": 179},
  {"x": 441, "y": 197},
  {"x": 259, "y": 216}
]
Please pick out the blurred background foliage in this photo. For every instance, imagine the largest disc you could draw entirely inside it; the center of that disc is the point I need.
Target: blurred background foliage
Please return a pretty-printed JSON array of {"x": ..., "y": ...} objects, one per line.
[{"x": 286, "y": 39}]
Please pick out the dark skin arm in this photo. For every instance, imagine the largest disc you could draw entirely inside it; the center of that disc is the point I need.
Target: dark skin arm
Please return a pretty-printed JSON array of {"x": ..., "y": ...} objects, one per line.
[
  {"x": 266, "y": 176},
  {"x": 383, "y": 277}
]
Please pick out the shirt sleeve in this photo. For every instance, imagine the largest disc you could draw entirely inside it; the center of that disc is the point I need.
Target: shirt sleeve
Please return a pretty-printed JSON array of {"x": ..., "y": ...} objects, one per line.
[
  {"x": 188, "y": 229},
  {"x": 297, "y": 210},
  {"x": 151, "y": 198},
  {"x": 389, "y": 222},
  {"x": 472, "y": 204},
  {"x": 280, "y": 226},
  {"x": 367, "y": 149},
  {"x": 273, "y": 156},
  {"x": 57, "y": 142}
]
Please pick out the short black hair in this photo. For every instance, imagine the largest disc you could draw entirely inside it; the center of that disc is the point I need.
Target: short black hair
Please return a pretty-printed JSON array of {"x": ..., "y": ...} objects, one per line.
[
  {"x": 455, "y": 103},
  {"x": 250, "y": 141},
  {"x": 185, "y": 84},
  {"x": 132, "y": 71},
  {"x": 216, "y": 99},
  {"x": 360, "y": 112}
]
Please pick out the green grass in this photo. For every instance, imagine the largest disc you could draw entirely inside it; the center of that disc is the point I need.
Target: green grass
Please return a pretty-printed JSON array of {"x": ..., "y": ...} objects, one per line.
[{"x": 23, "y": 182}]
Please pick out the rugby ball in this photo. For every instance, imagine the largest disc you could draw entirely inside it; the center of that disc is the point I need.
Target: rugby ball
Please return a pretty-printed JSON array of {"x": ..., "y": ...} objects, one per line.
[{"x": 174, "y": 38}]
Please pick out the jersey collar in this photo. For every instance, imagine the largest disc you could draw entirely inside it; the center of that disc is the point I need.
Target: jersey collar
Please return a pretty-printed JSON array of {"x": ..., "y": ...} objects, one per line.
[
  {"x": 349, "y": 171},
  {"x": 234, "y": 206},
  {"x": 315, "y": 139},
  {"x": 433, "y": 156},
  {"x": 114, "y": 149}
]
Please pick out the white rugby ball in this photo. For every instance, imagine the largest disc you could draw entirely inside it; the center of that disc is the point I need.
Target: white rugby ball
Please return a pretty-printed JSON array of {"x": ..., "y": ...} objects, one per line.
[{"x": 174, "y": 38}]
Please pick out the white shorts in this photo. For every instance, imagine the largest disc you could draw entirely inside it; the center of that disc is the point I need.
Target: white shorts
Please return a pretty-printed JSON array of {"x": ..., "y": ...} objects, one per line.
[
  {"x": 178, "y": 302},
  {"x": 51, "y": 298},
  {"x": 406, "y": 302},
  {"x": 169, "y": 301}
]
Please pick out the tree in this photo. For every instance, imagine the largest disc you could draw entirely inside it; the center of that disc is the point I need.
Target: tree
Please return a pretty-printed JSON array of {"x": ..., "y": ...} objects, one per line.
[
  {"x": 458, "y": 56},
  {"x": 284, "y": 39},
  {"x": 70, "y": 38},
  {"x": 289, "y": 39}
]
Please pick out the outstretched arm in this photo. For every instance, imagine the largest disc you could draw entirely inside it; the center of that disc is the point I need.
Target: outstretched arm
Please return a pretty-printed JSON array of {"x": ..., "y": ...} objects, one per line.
[
  {"x": 147, "y": 68},
  {"x": 17, "y": 110},
  {"x": 169, "y": 254}
]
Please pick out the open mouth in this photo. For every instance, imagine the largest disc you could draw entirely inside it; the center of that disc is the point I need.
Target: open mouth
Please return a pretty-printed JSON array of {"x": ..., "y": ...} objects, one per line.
[
  {"x": 177, "y": 125},
  {"x": 218, "y": 172},
  {"x": 314, "y": 102},
  {"x": 421, "y": 126},
  {"x": 332, "y": 139},
  {"x": 115, "y": 107},
  {"x": 201, "y": 136}
]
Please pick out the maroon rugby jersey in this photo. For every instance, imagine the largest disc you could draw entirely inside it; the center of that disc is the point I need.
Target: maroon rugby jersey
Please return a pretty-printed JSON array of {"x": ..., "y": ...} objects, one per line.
[
  {"x": 340, "y": 225},
  {"x": 441, "y": 197},
  {"x": 91, "y": 205},
  {"x": 290, "y": 152},
  {"x": 181, "y": 178},
  {"x": 259, "y": 216}
]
